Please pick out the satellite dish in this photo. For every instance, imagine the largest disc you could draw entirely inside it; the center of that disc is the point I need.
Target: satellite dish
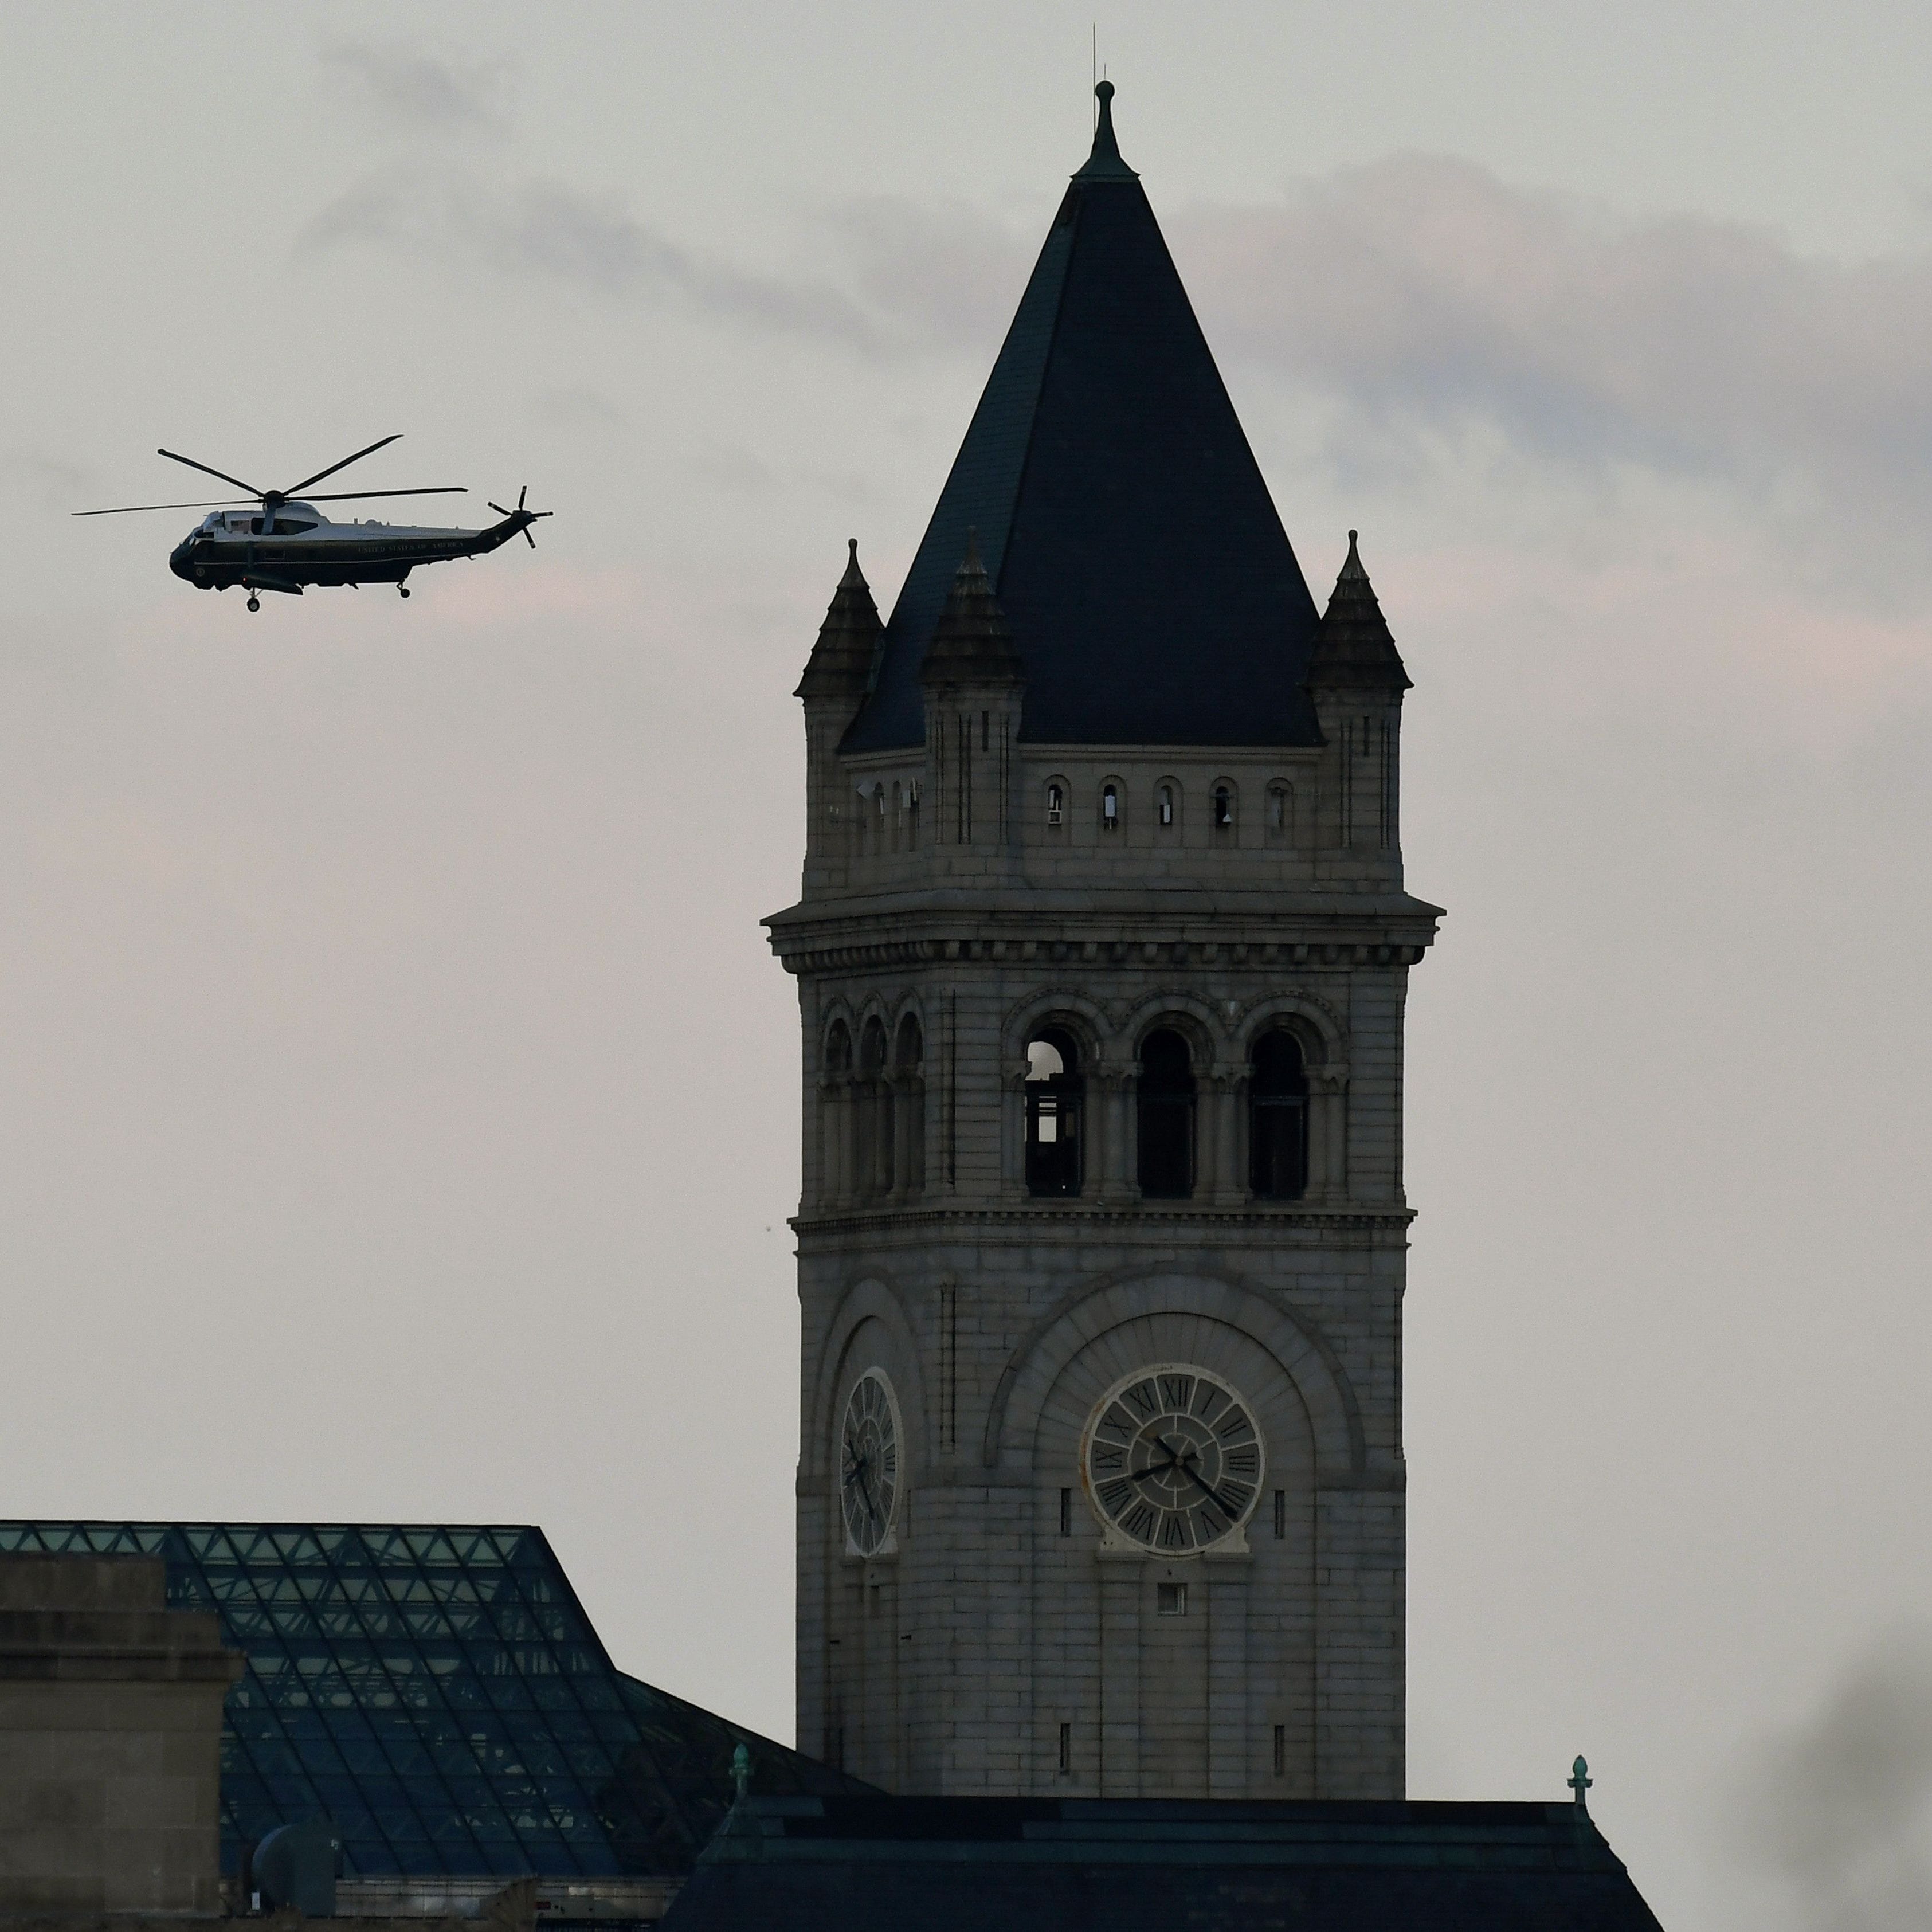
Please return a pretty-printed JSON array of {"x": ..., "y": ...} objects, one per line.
[{"x": 297, "y": 1865}]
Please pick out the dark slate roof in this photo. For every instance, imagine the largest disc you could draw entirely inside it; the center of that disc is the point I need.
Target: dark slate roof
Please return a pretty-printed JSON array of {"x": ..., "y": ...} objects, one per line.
[
  {"x": 841, "y": 663},
  {"x": 1354, "y": 650},
  {"x": 972, "y": 643},
  {"x": 1012, "y": 1864},
  {"x": 1124, "y": 523},
  {"x": 438, "y": 1691}
]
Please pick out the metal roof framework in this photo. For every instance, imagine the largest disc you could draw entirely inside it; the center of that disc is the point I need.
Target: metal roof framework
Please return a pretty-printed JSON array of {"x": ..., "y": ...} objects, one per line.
[{"x": 438, "y": 1691}]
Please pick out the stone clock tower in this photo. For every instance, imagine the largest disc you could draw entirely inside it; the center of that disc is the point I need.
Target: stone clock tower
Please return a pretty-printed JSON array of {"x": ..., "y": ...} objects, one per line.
[{"x": 1101, "y": 954}]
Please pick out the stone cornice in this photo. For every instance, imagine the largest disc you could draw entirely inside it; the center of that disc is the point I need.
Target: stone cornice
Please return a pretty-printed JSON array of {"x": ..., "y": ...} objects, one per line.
[
  {"x": 1032, "y": 1217},
  {"x": 1050, "y": 943}
]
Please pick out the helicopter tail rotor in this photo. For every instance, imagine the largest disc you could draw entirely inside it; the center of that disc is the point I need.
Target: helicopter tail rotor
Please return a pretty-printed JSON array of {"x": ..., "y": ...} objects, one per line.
[{"x": 522, "y": 517}]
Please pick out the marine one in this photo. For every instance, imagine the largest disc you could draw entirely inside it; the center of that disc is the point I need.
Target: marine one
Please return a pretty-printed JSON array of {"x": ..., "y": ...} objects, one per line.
[{"x": 1101, "y": 953}]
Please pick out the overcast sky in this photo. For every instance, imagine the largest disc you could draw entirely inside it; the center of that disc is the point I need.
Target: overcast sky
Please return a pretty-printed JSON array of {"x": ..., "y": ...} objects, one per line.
[{"x": 397, "y": 1110}]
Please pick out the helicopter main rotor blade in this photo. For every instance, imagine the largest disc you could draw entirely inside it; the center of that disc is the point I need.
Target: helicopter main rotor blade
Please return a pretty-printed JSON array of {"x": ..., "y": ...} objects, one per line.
[
  {"x": 257, "y": 494},
  {"x": 296, "y": 489},
  {"x": 351, "y": 496},
  {"x": 121, "y": 510}
]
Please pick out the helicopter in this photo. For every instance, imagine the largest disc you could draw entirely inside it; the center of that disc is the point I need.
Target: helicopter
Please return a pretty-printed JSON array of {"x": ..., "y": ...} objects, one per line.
[{"x": 284, "y": 542}]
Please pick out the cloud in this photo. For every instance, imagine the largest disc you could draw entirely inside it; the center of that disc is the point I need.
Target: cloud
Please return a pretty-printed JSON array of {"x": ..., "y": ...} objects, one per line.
[
  {"x": 1841, "y": 1806},
  {"x": 548, "y": 232},
  {"x": 413, "y": 92},
  {"x": 1428, "y": 295}
]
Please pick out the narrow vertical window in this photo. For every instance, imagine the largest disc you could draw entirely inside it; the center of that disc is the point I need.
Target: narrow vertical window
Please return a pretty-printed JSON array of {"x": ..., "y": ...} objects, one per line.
[
  {"x": 1281, "y": 1516},
  {"x": 1066, "y": 1512},
  {"x": 908, "y": 1108},
  {"x": 1056, "y": 805},
  {"x": 872, "y": 1143},
  {"x": 1280, "y": 818},
  {"x": 1281, "y": 1751},
  {"x": 1066, "y": 1749},
  {"x": 1277, "y": 1119},
  {"x": 1110, "y": 808},
  {"x": 1164, "y": 1110},
  {"x": 1054, "y": 1092},
  {"x": 1224, "y": 809},
  {"x": 1163, "y": 804}
]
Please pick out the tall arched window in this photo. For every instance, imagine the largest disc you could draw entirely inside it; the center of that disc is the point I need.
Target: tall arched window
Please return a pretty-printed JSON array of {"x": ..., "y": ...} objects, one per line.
[
  {"x": 1054, "y": 1091},
  {"x": 834, "y": 1124},
  {"x": 1278, "y": 1119},
  {"x": 872, "y": 1141},
  {"x": 909, "y": 1107},
  {"x": 1165, "y": 1109}
]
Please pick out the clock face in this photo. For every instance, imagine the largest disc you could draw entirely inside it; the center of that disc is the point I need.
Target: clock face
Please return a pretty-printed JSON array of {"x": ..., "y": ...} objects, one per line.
[
  {"x": 868, "y": 1462},
  {"x": 1172, "y": 1459}
]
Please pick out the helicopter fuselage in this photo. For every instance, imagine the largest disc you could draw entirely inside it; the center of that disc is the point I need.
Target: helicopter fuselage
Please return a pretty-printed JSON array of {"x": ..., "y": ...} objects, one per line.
[{"x": 298, "y": 545}]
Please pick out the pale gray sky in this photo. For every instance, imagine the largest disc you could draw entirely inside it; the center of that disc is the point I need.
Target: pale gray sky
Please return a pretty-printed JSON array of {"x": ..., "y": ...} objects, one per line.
[{"x": 397, "y": 1102}]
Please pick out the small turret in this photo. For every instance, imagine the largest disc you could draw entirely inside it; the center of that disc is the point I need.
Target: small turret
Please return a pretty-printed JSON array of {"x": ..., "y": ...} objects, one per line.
[
  {"x": 841, "y": 663},
  {"x": 972, "y": 643},
  {"x": 1356, "y": 680},
  {"x": 973, "y": 683},
  {"x": 1354, "y": 650},
  {"x": 833, "y": 687}
]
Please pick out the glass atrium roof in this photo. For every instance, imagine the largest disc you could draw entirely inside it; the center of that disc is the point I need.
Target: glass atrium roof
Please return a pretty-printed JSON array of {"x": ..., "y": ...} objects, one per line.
[{"x": 441, "y": 1694}]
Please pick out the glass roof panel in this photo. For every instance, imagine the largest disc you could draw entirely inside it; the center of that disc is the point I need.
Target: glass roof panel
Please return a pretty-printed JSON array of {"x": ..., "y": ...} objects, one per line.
[{"x": 441, "y": 1690}]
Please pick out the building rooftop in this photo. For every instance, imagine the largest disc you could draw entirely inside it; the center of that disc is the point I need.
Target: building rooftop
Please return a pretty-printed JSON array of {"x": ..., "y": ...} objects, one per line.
[
  {"x": 1008, "y": 1864},
  {"x": 440, "y": 1693},
  {"x": 1125, "y": 526}
]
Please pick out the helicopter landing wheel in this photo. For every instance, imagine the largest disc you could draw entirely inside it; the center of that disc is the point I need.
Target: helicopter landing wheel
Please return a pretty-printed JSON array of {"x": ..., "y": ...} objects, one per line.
[
  {"x": 254, "y": 602},
  {"x": 402, "y": 590}
]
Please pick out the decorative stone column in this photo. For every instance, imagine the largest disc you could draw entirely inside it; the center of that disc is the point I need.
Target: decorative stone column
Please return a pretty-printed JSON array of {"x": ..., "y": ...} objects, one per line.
[
  {"x": 1111, "y": 1088},
  {"x": 1226, "y": 1085},
  {"x": 1013, "y": 1131},
  {"x": 1328, "y": 1131}
]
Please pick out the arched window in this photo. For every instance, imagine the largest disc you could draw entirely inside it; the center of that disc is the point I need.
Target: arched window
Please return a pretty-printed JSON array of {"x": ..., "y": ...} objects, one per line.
[
  {"x": 1278, "y": 1119},
  {"x": 838, "y": 1051},
  {"x": 1165, "y": 1117},
  {"x": 1165, "y": 806},
  {"x": 872, "y": 1149},
  {"x": 909, "y": 1106},
  {"x": 835, "y": 1128},
  {"x": 1056, "y": 803},
  {"x": 1280, "y": 820},
  {"x": 1224, "y": 807},
  {"x": 1110, "y": 807},
  {"x": 1053, "y": 1092}
]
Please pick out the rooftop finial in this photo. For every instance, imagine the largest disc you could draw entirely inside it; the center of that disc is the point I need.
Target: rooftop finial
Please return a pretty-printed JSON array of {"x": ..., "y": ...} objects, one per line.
[
  {"x": 741, "y": 1770},
  {"x": 1580, "y": 1781},
  {"x": 1105, "y": 161}
]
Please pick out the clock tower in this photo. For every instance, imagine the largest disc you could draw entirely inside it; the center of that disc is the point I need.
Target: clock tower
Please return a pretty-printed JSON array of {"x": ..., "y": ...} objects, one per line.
[{"x": 1101, "y": 955}]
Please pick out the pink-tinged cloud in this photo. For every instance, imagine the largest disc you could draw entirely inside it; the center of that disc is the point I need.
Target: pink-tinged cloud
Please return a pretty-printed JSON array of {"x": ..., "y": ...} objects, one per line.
[{"x": 1424, "y": 291}]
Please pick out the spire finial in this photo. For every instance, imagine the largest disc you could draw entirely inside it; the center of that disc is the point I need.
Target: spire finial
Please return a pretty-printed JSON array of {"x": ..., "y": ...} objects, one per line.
[
  {"x": 1580, "y": 1781},
  {"x": 741, "y": 1770},
  {"x": 1105, "y": 161}
]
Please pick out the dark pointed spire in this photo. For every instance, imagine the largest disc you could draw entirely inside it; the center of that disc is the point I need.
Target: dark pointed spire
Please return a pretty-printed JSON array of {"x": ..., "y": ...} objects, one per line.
[
  {"x": 1126, "y": 528},
  {"x": 1353, "y": 648},
  {"x": 841, "y": 663},
  {"x": 1104, "y": 163},
  {"x": 972, "y": 643}
]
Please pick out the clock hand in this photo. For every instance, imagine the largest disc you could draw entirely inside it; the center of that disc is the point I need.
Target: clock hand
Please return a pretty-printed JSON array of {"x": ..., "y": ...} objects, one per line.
[{"x": 1212, "y": 1495}]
